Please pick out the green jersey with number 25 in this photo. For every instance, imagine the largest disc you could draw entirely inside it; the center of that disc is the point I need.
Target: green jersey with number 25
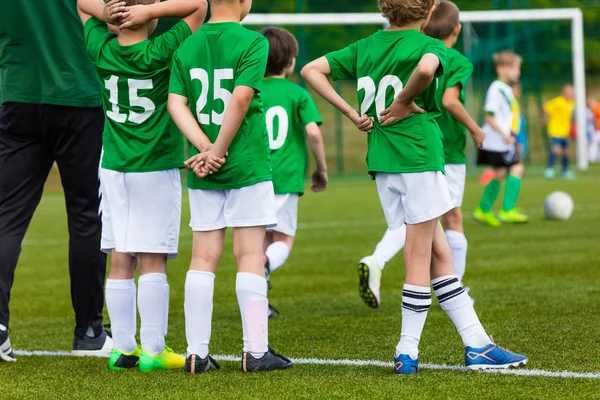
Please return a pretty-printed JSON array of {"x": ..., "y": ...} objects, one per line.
[
  {"x": 206, "y": 70},
  {"x": 382, "y": 65},
  {"x": 289, "y": 108},
  {"x": 135, "y": 87}
]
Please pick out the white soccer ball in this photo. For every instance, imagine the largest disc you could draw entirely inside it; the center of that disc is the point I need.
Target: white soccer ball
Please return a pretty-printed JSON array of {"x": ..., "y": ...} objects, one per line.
[{"x": 558, "y": 206}]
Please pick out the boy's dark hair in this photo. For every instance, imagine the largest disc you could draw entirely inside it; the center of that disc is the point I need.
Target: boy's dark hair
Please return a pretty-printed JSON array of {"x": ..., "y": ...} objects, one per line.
[
  {"x": 403, "y": 12},
  {"x": 444, "y": 20},
  {"x": 283, "y": 47}
]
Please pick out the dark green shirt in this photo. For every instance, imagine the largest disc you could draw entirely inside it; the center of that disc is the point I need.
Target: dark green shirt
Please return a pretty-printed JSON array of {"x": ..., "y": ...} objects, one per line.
[{"x": 43, "y": 59}]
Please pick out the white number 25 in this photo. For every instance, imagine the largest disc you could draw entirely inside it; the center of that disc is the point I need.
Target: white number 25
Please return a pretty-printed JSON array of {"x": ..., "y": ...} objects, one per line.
[{"x": 219, "y": 93}]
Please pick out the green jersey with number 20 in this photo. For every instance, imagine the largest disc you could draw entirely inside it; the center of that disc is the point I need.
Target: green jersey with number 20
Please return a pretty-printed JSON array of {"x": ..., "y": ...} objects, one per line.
[
  {"x": 289, "y": 108},
  {"x": 135, "y": 81},
  {"x": 206, "y": 70},
  {"x": 458, "y": 72},
  {"x": 382, "y": 65}
]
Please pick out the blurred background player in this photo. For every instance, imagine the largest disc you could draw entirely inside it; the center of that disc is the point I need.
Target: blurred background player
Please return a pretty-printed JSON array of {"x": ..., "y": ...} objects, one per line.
[
  {"x": 141, "y": 185},
  {"x": 50, "y": 111},
  {"x": 454, "y": 121},
  {"x": 401, "y": 64},
  {"x": 522, "y": 139},
  {"x": 593, "y": 113},
  {"x": 502, "y": 123},
  {"x": 292, "y": 117},
  {"x": 558, "y": 114},
  {"x": 221, "y": 71}
]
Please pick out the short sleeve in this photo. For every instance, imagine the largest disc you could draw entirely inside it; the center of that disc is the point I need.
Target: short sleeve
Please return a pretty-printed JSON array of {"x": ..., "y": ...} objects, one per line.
[
  {"x": 252, "y": 66},
  {"x": 459, "y": 72},
  {"x": 438, "y": 49},
  {"x": 494, "y": 100},
  {"x": 308, "y": 111},
  {"x": 96, "y": 34},
  {"x": 165, "y": 45},
  {"x": 177, "y": 83},
  {"x": 343, "y": 63}
]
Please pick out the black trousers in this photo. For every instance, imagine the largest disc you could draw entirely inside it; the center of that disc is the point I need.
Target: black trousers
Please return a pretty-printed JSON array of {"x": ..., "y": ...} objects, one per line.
[{"x": 32, "y": 138}]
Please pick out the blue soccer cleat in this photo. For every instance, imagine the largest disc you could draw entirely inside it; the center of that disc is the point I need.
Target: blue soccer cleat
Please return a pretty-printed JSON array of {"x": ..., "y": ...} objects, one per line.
[
  {"x": 492, "y": 356},
  {"x": 404, "y": 365}
]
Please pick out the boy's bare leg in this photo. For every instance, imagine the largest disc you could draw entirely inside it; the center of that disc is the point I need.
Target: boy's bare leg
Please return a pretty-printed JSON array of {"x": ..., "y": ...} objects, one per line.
[
  {"x": 416, "y": 296},
  {"x": 199, "y": 289},
  {"x": 153, "y": 301},
  {"x": 452, "y": 297},
  {"x": 121, "y": 302},
  {"x": 251, "y": 288}
]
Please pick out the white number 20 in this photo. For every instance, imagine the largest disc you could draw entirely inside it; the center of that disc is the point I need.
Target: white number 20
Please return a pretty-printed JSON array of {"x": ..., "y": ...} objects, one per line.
[
  {"x": 135, "y": 100},
  {"x": 219, "y": 93},
  {"x": 378, "y": 95}
]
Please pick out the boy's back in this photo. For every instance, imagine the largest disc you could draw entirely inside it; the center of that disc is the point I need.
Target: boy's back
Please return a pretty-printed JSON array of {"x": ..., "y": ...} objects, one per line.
[
  {"x": 231, "y": 56},
  {"x": 458, "y": 72},
  {"x": 500, "y": 102},
  {"x": 135, "y": 81},
  {"x": 289, "y": 109},
  {"x": 383, "y": 63}
]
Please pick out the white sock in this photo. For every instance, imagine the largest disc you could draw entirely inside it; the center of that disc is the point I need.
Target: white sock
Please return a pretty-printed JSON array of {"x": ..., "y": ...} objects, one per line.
[
  {"x": 199, "y": 290},
  {"x": 458, "y": 305},
  {"x": 390, "y": 245},
  {"x": 416, "y": 301},
  {"x": 153, "y": 304},
  {"x": 120, "y": 303},
  {"x": 251, "y": 292},
  {"x": 458, "y": 245},
  {"x": 277, "y": 253}
]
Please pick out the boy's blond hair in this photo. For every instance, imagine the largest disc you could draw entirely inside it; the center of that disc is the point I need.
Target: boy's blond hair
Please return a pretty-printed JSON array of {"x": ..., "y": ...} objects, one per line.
[
  {"x": 403, "y": 12},
  {"x": 130, "y": 3},
  {"x": 506, "y": 58}
]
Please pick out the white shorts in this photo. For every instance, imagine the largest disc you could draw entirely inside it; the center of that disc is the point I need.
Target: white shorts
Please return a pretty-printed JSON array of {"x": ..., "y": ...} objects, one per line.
[
  {"x": 141, "y": 212},
  {"x": 248, "y": 206},
  {"x": 456, "y": 175},
  {"x": 286, "y": 206},
  {"x": 413, "y": 198}
]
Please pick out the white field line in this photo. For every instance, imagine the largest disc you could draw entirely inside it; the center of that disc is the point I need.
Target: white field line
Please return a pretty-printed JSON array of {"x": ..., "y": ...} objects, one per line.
[{"x": 363, "y": 363}]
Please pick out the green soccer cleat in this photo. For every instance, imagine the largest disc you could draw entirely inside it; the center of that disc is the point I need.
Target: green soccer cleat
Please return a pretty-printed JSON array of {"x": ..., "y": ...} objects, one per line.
[
  {"x": 569, "y": 176},
  {"x": 486, "y": 218},
  {"x": 549, "y": 173},
  {"x": 120, "y": 360},
  {"x": 167, "y": 359},
  {"x": 513, "y": 216}
]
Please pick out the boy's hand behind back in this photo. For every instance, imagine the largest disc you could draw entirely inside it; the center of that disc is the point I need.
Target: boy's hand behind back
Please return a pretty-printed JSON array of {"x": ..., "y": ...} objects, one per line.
[
  {"x": 208, "y": 163},
  {"x": 319, "y": 181},
  {"x": 364, "y": 123},
  {"x": 399, "y": 111}
]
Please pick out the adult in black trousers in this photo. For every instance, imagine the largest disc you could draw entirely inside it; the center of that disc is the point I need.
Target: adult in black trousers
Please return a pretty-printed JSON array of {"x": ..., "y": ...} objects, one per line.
[{"x": 50, "y": 112}]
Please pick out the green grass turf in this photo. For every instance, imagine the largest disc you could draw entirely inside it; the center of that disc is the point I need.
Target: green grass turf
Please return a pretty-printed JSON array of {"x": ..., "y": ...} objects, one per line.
[{"x": 536, "y": 290}]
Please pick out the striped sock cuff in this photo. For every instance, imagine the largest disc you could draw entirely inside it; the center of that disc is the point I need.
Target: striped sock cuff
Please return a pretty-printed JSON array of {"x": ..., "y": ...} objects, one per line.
[
  {"x": 447, "y": 287},
  {"x": 416, "y": 298}
]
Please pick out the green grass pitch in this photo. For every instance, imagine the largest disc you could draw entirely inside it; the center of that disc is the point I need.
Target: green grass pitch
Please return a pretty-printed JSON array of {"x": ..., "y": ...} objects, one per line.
[{"x": 536, "y": 288}]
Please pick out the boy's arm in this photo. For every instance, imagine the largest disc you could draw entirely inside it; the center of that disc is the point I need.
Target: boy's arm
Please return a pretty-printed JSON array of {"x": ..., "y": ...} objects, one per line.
[
  {"x": 232, "y": 120},
  {"x": 193, "y": 12},
  {"x": 315, "y": 141},
  {"x": 315, "y": 73},
  {"x": 451, "y": 102},
  {"x": 185, "y": 121},
  {"x": 491, "y": 121},
  {"x": 404, "y": 105},
  {"x": 108, "y": 12}
]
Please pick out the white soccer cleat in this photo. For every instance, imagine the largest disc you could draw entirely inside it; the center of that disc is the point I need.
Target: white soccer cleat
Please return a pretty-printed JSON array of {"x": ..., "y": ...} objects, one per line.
[{"x": 369, "y": 281}]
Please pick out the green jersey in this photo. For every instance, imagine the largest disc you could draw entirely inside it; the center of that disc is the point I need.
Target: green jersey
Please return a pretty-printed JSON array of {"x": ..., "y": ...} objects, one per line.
[
  {"x": 458, "y": 72},
  {"x": 42, "y": 55},
  {"x": 289, "y": 108},
  {"x": 382, "y": 65},
  {"x": 206, "y": 69},
  {"x": 135, "y": 81}
]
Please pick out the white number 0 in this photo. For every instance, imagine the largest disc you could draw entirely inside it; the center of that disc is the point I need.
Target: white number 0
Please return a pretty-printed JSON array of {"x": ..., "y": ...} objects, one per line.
[
  {"x": 284, "y": 126},
  {"x": 378, "y": 95},
  {"x": 219, "y": 93},
  {"x": 134, "y": 100}
]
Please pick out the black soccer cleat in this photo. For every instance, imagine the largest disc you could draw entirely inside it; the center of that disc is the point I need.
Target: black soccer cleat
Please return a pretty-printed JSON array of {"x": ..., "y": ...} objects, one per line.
[
  {"x": 273, "y": 313},
  {"x": 6, "y": 350},
  {"x": 271, "y": 361},
  {"x": 99, "y": 346},
  {"x": 196, "y": 365},
  {"x": 268, "y": 273}
]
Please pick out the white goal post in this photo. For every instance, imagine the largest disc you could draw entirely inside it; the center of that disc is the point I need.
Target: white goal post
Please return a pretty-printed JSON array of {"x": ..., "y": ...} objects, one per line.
[{"x": 574, "y": 15}]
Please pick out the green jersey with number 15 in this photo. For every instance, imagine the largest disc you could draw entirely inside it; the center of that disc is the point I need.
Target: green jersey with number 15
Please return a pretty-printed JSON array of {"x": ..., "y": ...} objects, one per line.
[
  {"x": 289, "y": 108},
  {"x": 206, "y": 70},
  {"x": 382, "y": 65},
  {"x": 135, "y": 81}
]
